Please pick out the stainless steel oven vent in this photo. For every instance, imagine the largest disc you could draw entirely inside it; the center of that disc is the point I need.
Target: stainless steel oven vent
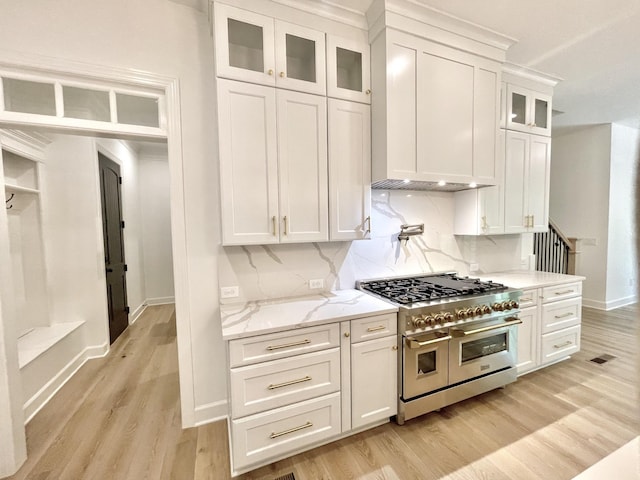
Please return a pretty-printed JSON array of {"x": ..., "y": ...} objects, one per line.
[{"x": 423, "y": 186}]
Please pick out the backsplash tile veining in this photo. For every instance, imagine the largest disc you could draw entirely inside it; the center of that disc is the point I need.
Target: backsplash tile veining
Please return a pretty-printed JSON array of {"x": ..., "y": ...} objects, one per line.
[{"x": 277, "y": 271}]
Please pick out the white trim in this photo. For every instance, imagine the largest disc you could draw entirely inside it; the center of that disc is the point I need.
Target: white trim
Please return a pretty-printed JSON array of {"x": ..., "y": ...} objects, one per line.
[
  {"x": 137, "y": 312},
  {"x": 42, "y": 397},
  {"x": 160, "y": 300},
  {"x": 30, "y": 145},
  {"x": 211, "y": 412},
  {"x": 610, "y": 304}
]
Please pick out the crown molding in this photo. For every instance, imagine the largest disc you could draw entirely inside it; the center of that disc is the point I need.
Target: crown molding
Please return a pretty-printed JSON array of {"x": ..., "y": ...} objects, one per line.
[{"x": 537, "y": 76}]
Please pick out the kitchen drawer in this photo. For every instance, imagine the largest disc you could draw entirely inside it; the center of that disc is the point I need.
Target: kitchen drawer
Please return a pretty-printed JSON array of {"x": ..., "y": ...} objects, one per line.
[
  {"x": 271, "y": 435},
  {"x": 256, "y": 388},
  {"x": 559, "y": 344},
  {"x": 560, "y": 292},
  {"x": 529, "y": 298},
  {"x": 561, "y": 314},
  {"x": 368, "y": 328},
  {"x": 246, "y": 351}
]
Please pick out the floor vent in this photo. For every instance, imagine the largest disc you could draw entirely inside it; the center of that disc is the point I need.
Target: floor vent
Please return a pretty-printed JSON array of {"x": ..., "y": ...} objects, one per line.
[
  {"x": 604, "y": 358},
  {"x": 288, "y": 476}
]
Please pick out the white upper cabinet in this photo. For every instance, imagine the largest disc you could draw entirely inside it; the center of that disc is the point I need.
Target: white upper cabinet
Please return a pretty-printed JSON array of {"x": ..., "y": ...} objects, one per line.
[
  {"x": 273, "y": 165},
  {"x": 348, "y": 69},
  {"x": 349, "y": 170},
  {"x": 302, "y": 167},
  {"x": 248, "y": 163},
  {"x": 527, "y": 166},
  {"x": 528, "y": 111},
  {"x": 259, "y": 49}
]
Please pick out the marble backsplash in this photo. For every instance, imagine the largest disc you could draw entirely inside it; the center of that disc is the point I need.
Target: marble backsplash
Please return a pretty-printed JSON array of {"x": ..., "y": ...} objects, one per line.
[{"x": 277, "y": 271}]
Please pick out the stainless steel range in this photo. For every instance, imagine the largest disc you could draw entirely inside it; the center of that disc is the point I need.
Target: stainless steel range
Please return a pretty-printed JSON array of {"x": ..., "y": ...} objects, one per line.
[{"x": 458, "y": 338}]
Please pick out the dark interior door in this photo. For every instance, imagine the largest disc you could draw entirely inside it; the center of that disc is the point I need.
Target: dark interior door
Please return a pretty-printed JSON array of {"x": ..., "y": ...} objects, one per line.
[{"x": 112, "y": 226}]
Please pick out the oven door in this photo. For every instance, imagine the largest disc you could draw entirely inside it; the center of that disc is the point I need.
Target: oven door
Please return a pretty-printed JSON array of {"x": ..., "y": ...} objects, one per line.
[
  {"x": 424, "y": 363},
  {"x": 483, "y": 347}
]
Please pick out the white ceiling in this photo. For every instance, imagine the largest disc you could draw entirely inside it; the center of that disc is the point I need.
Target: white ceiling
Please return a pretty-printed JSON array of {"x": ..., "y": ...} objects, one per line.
[{"x": 593, "y": 45}]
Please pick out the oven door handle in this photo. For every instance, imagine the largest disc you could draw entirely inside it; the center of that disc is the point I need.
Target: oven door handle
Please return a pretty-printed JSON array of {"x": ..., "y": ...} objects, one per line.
[
  {"x": 413, "y": 343},
  {"x": 457, "y": 332}
]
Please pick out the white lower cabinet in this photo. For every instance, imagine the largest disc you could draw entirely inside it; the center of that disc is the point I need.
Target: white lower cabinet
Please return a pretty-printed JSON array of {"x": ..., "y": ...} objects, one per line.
[
  {"x": 550, "y": 329},
  {"x": 293, "y": 390},
  {"x": 373, "y": 380}
]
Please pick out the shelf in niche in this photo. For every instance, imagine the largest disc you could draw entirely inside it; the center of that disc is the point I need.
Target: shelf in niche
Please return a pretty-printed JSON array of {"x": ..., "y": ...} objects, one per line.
[
  {"x": 36, "y": 341},
  {"x": 19, "y": 189}
]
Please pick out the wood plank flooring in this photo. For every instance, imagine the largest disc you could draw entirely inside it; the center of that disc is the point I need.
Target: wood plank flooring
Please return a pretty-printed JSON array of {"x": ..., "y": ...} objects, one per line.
[{"x": 119, "y": 418}]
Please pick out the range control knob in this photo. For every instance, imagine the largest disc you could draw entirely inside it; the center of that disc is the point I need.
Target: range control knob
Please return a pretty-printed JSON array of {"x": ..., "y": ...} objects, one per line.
[
  {"x": 418, "y": 322},
  {"x": 461, "y": 314},
  {"x": 506, "y": 305},
  {"x": 514, "y": 304},
  {"x": 477, "y": 311},
  {"x": 428, "y": 319},
  {"x": 448, "y": 317},
  {"x": 497, "y": 307},
  {"x": 439, "y": 318},
  {"x": 486, "y": 309},
  {"x": 469, "y": 312}
]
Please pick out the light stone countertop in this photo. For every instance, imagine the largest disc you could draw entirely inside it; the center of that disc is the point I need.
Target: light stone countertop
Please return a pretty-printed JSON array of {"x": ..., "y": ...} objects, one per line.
[
  {"x": 266, "y": 316},
  {"x": 529, "y": 279}
]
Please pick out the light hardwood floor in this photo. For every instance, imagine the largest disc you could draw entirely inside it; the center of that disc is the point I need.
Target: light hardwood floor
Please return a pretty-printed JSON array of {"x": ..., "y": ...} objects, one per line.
[{"x": 119, "y": 418}]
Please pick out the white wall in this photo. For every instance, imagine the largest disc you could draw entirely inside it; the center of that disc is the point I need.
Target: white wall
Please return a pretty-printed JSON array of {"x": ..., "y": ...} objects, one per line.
[
  {"x": 163, "y": 38},
  {"x": 156, "y": 227},
  {"x": 592, "y": 198},
  {"x": 72, "y": 230},
  {"x": 622, "y": 263},
  {"x": 275, "y": 271}
]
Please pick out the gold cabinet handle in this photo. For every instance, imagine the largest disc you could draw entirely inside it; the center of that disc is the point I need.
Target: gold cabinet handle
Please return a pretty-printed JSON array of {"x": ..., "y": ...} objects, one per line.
[
  {"x": 395, "y": 347},
  {"x": 368, "y": 91},
  {"x": 525, "y": 300},
  {"x": 281, "y": 74},
  {"x": 273, "y": 221},
  {"x": 375, "y": 329},
  {"x": 285, "y": 224},
  {"x": 288, "y": 345},
  {"x": 273, "y": 386},
  {"x": 484, "y": 222},
  {"x": 568, "y": 342},
  {"x": 458, "y": 332},
  {"x": 533, "y": 221},
  {"x": 564, "y": 292},
  {"x": 291, "y": 430},
  {"x": 270, "y": 72},
  {"x": 346, "y": 334},
  {"x": 368, "y": 222},
  {"x": 564, "y": 315}
]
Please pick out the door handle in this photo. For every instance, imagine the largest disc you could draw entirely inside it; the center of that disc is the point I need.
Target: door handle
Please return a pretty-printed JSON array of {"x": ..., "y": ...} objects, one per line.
[{"x": 109, "y": 270}]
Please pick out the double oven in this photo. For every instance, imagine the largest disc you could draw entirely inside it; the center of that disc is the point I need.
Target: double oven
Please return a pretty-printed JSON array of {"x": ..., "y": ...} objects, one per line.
[{"x": 458, "y": 338}]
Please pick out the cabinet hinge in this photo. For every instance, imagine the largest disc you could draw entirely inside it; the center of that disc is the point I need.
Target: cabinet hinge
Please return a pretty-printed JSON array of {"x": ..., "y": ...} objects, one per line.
[
  {"x": 127, "y": 310},
  {"x": 126, "y": 269},
  {"x": 122, "y": 224}
]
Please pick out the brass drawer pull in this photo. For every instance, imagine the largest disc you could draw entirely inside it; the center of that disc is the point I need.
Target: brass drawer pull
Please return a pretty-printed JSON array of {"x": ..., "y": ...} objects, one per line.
[
  {"x": 568, "y": 342},
  {"x": 564, "y": 292},
  {"x": 564, "y": 315},
  {"x": 287, "y": 345},
  {"x": 273, "y": 221},
  {"x": 291, "y": 430},
  {"x": 291, "y": 382},
  {"x": 375, "y": 329},
  {"x": 526, "y": 300}
]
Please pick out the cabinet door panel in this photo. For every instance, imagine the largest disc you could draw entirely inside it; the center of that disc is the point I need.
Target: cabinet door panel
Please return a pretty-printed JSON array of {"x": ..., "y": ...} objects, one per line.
[
  {"x": 248, "y": 162},
  {"x": 374, "y": 394},
  {"x": 348, "y": 72},
  {"x": 349, "y": 169},
  {"x": 517, "y": 153},
  {"x": 300, "y": 58},
  {"x": 527, "y": 340},
  {"x": 538, "y": 184},
  {"x": 445, "y": 116},
  {"x": 244, "y": 45},
  {"x": 485, "y": 125},
  {"x": 302, "y": 162}
]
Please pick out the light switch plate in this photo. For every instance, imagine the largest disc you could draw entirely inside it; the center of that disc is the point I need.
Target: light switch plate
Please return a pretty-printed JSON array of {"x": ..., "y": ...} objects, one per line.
[{"x": 316, "y": 283}]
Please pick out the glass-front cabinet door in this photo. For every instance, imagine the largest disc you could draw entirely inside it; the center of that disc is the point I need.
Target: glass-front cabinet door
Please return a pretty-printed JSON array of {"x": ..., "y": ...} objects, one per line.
[
  {"x": 348, "y": 69},
  {"x": 244, "y": 45},
  {"x": 528, "y": 111},
  {"x": 300, "y": 58}
]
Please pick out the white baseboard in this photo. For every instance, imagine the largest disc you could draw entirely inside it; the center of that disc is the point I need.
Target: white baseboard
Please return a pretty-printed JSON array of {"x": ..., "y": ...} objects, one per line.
[
  {"x": 610, "y": 305},
  {"x": 160, "y": 300},
  {"x": 211, "y": 412},
  {"x": 40, "y": 399},
  {"x": 136, "y": 313}
]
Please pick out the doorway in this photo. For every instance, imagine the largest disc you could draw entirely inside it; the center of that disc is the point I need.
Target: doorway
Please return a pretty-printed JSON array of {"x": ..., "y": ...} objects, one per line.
[{"x": 114, "y": 255}]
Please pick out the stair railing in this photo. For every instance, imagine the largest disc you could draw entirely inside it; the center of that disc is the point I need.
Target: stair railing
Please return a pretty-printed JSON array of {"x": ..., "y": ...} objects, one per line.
[{"x": 554, "y": 251}]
